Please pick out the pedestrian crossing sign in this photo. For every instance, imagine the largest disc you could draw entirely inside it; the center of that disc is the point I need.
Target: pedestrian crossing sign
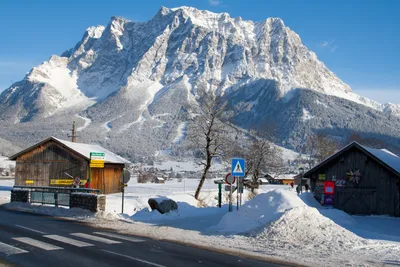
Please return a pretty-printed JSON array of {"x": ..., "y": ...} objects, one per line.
[{"x": 238, "y": 167}]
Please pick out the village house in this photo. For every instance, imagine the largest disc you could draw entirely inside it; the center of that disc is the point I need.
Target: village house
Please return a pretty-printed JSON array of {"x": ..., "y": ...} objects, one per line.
[
  {"x": 361, "y": 180},
  {"x": 56, "y": 162}
]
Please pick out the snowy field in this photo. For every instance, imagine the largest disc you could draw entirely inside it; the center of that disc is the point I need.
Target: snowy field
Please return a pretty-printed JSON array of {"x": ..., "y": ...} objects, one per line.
[
  {"x": 6, "y": 163},
  {"x": 277, "y": 224},
  {"x": 5, "y": 188}
]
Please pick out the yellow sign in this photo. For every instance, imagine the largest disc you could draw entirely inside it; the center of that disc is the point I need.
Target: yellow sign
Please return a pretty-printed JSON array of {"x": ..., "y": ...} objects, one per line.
[
  {"x": 96, "y": 165},
  {"x": 97, "y": 161},
  {"x": 65, "y": 182},
  {"x": 321, "y": 177},
  {"x": 29, "y": 182}
]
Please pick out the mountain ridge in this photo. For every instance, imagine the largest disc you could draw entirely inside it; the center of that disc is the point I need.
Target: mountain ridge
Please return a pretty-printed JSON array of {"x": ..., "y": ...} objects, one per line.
[{"x": 130, "y": 78}]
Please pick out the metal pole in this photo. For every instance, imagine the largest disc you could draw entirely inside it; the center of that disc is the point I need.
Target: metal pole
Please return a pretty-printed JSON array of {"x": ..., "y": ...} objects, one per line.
[
  {"x": 237, "y": 193},
  {"x": 230, "y": 198},
  {"x": 241, "y": 187},
  {"x": 123, "y": 196},
  {"x": 219, "y": 194}
]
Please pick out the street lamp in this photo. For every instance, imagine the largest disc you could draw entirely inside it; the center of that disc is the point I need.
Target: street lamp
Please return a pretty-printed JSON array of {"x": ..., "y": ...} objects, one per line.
[{"x": 301, "y": 171}]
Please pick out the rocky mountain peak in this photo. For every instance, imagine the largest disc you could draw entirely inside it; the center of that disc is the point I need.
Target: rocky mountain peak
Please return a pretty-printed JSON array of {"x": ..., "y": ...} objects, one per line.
[{"x": 136, "y": 76}]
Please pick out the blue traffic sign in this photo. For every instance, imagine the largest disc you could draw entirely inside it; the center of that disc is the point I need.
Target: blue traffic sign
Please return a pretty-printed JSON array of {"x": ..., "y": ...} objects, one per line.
[{"x": 238, "y": 167}]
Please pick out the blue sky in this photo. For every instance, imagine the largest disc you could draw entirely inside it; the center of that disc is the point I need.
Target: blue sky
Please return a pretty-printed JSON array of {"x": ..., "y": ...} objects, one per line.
[{"x": 359, "y": 40}]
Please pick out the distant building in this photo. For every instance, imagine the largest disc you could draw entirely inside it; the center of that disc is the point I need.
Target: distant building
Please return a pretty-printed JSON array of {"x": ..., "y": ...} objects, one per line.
[
  {"x": 56, "y": 162},
  {"x": 281, "y": 179},
  {"x": 159, "y": 180},
  {"x": 366, "y": 180}
]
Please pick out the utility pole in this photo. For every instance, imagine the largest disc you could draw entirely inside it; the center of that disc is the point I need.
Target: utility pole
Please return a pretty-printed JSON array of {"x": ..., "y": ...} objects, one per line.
[{"x": 73, "y": 130}]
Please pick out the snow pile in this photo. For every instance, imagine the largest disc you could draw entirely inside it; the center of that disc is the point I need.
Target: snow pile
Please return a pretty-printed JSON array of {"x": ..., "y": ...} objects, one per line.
[
  {"x": 185, "y": 210},
  {"x": 73, "y": 213},
  {"x": 258, "y": 212},
  {"x": 306, "y": 226}
]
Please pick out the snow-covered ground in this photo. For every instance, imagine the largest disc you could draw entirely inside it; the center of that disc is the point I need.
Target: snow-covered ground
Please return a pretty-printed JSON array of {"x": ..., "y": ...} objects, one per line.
[
  {"x": 5, "y": 190},
  {"x": 276, "y": 224},
  {"x": 6, "y": 163},
  {"x": 178, "y": 166}
]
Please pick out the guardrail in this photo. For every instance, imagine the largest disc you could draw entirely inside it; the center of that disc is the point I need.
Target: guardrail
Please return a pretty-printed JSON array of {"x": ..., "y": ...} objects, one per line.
[{"x": 49, "y": 195}]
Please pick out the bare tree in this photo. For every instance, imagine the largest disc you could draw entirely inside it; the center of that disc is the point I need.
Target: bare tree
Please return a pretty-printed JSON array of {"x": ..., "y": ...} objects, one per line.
[
  {"x": 208, "y": 132},
  {"x": 309, "y": 149},
  {"x": 262, "y": 155},
  {"x": 318, "y": 147}
]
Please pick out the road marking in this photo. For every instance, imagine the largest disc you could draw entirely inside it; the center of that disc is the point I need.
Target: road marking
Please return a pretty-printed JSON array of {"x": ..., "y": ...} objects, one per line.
[
  {"x": 96, "y": 238},
  {"x": 36, "y": 243},
  {"x": 69, "y": 241},
  {"x": 10, "y": 250},
  {"x": 133, "y": 258},
  {"x": 30, "y": 229},
  {"x": 127, "y": 238}
]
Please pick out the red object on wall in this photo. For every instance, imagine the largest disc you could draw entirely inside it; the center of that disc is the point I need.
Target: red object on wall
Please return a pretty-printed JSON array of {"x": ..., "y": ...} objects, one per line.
[{"x": 329, "y": 188}]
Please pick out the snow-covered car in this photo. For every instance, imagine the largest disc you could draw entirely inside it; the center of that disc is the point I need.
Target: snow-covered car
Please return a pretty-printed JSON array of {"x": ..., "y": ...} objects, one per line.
[{"x": 262, "y": 181}]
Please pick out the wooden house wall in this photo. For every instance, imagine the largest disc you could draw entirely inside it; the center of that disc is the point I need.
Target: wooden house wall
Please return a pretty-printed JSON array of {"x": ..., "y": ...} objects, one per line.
[
  {"x": 377, "y": 192},
  {"x": 49, "y": 161},
  {"x": 107, "y": 179}
]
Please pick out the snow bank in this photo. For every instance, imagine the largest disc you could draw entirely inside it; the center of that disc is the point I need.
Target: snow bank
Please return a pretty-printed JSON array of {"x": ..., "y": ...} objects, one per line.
[
  {"x": 306, "y": 226},
  {"x": 185, "y": 210},
  {"x": 258, "y": 212},
  {"x": 64, "y": 212}
]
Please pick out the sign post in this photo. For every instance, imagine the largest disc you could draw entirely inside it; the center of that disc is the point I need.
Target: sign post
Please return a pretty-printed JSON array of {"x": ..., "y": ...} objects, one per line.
[
  {"x": 237, "y": 193},
  {"x": 238, "y": 170},
  {"x": 125, "y": 177},
  {"x": 229, "y": 179},
  {"x": 219, "y": 194},
  {"x": 240, "y": 190}
]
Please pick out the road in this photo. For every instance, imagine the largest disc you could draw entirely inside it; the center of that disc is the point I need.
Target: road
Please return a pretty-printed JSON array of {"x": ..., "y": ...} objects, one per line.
[{"x": 35, "y": 240}]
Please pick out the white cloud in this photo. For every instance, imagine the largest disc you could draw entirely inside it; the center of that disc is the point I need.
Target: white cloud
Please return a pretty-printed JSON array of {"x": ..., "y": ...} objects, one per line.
[
  {"x": 330, "y": 45},
  {"x": 214, "y": 2},
  {"x": 381, "y": 95}
]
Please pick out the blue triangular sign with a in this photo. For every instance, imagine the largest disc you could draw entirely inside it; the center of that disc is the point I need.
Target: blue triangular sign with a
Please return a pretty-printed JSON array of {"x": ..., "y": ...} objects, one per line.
[{"x": 238, "y": 167}]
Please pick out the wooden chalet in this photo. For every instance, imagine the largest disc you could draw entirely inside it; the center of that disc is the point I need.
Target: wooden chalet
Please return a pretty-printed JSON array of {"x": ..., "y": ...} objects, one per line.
[
  {"x": 56, "y": 162},
  {"x": 366, "y": 180}
]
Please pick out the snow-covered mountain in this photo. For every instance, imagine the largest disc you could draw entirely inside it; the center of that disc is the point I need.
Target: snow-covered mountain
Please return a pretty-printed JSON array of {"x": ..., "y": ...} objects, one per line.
[
  {"x": 391, "y": 109},
  {"x": 127, "y": 84}
]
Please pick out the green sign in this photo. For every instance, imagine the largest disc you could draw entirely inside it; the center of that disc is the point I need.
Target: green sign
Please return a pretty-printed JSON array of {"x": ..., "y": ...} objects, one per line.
[{"x": 97, "y": 154}]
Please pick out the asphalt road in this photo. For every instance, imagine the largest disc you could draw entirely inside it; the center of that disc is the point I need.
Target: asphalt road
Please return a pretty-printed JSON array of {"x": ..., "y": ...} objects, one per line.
[{"x": 36, "y": 240}]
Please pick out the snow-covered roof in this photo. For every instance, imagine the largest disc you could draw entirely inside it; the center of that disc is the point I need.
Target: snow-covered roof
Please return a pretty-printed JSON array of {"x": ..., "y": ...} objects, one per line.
[
  {"x": 82, "y": 149},
  {"x": 284, "y": 178},
  {"x": 386, "y": 156}
]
